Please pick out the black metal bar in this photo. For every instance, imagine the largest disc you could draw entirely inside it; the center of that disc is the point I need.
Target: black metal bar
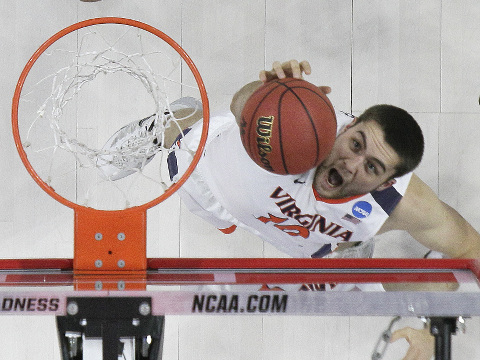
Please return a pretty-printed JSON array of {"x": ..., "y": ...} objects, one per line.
[
  {"x": 442, "y": 329},
  {"x": 110, "y": 340}
]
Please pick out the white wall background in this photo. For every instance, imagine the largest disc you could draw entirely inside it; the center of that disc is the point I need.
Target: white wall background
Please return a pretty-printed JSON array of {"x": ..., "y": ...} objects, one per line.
[{"x": 420, "y": 55}]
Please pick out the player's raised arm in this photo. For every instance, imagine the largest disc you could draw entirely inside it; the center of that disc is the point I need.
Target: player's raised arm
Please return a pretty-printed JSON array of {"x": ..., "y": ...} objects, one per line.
[{"x": 433, "y": 223}]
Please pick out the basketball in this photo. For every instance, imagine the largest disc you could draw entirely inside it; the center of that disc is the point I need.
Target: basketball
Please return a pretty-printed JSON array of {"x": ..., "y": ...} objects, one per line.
[{"x": 288, "y": 126}]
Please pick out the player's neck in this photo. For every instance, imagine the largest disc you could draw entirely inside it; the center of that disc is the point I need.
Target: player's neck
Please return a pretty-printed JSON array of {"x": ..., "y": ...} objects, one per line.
[{"x": 318, "y": 197}]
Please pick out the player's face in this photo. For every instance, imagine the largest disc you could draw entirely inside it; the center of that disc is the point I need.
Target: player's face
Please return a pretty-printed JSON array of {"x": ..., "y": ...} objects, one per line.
[{"x": 360, "y": 162}]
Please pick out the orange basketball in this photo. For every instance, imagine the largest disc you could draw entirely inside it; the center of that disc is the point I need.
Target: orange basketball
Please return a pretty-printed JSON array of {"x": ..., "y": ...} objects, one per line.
[{"x": 288, "y": 126}]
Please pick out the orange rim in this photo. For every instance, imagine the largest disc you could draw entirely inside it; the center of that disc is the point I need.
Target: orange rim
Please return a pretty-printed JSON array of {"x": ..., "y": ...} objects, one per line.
[{"x": 97, "y": 21}]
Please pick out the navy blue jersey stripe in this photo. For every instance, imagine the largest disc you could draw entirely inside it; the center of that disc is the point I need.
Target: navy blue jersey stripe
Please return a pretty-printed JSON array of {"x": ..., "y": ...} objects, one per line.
[
  {"x": 172, "y": 165},
  {"x": 172, "y": 159},
  {"x": 387, "y": 199},
  {"x": 323, "y": 251}
]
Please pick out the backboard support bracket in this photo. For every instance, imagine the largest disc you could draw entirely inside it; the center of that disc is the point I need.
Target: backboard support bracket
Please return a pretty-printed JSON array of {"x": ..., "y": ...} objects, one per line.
[
  {"x": 110, "y": 246},
  {"x": 113, "y": 321}
]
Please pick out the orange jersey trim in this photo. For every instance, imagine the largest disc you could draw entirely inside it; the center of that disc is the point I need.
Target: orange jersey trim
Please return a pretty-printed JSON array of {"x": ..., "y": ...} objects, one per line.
[
  {"x": 229, "y": 230},
  {"x": 333, "y": 201}
]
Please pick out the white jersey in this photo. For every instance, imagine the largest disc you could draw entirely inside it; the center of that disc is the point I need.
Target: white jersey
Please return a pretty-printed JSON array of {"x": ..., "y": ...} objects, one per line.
[{"x": 227, "y": 188}]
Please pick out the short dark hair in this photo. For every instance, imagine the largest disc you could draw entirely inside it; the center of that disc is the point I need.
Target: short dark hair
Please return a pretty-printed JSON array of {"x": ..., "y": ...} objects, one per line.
[{"x": 401, "y": 132}]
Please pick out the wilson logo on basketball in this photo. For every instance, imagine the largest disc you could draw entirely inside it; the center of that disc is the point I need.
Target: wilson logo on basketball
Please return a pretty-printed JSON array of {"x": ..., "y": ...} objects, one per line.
[{"x": 264, "y": 135}]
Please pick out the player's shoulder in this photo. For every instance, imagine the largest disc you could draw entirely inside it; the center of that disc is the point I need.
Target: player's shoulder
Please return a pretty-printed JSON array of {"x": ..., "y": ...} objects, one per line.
[
  {"x": 418, "y": 192},
  {"x": 414, "y": 206}
]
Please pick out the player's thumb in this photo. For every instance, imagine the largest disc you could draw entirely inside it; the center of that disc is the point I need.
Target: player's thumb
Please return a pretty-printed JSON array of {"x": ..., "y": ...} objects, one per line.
[{"x": 400, "y": 334}]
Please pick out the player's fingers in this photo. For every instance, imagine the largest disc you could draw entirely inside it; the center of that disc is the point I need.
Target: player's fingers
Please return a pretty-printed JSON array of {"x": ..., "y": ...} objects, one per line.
[
  {"x": 277, "y": 72},
  {"x": 263, "y": 76},
  {"x": 291, "y": 68},
  {"x": 294, "y": 66},
  {"x": 404, "y": 334},
  {"x": 399, "y": 334},
  {"x": 277, "y": 69},
  {"x": 305, "y": 67}
]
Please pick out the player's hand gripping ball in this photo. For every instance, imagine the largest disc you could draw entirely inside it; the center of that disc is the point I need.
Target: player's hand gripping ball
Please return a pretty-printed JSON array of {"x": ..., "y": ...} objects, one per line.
[{"x": 288, "y": 126}]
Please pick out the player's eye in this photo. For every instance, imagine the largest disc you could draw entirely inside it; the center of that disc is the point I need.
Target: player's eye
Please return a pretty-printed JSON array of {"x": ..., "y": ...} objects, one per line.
[{"x": 356, "y": 145}]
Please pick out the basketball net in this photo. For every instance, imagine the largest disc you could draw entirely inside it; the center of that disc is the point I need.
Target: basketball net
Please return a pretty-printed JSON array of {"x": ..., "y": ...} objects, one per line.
[{"x": 90, "y": 113}]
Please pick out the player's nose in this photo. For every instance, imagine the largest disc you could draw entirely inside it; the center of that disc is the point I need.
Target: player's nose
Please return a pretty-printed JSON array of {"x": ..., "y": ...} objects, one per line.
[{"x": 353, "y": 163}]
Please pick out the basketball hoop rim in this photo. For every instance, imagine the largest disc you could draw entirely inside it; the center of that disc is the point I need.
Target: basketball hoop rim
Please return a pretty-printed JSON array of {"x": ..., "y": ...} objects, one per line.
[{"x": 97, "y": 21}]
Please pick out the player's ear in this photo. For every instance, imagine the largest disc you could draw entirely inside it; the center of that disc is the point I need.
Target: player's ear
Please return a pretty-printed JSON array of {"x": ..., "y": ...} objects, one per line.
[
  {"x": 349, "y": 125},
  {"x": 386, "y": 184},
  {"x": 241, "y": 97}
]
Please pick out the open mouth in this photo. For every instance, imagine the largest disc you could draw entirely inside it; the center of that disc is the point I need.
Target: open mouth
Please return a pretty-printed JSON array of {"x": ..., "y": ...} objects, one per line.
[{"x": 334, "y": 178}]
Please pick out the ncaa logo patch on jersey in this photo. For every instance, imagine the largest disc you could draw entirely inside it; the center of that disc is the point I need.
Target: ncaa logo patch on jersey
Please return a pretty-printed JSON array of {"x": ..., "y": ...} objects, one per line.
[{"x": 361, "y": 209}]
